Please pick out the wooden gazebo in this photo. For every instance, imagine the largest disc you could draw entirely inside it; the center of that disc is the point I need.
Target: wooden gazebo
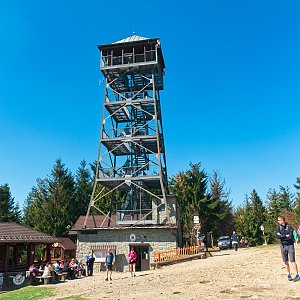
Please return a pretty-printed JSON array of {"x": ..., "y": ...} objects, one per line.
[{"x": 20, "y": 247}]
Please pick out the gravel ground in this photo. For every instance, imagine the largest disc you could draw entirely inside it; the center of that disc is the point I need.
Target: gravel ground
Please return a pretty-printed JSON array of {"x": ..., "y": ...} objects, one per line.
[{"x": 252, "y": 273}]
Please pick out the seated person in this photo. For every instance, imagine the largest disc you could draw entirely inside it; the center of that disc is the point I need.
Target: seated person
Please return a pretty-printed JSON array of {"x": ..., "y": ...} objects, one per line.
[
  {"x": 34, "y": 271},
  {"x": 47, "y": 270},
  {"x": 72, "y": 268},
  {"x": 81, "y": 268},
  {"x": 57, "y": 268},
  {"x": 243, "y": 242},
  {"x": 41, "y": 269},
  {"x": 65, "y": 267}
]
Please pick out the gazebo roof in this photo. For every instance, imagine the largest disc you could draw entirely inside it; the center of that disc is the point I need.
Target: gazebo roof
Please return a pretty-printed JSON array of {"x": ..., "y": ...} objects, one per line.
[
  {"x": 15, "y": 233},
  {"x": 66, "y": 243}
]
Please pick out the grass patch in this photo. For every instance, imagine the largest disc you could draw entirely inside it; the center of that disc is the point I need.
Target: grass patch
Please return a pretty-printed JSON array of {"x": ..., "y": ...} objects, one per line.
[{"x": 28, "y": 293}]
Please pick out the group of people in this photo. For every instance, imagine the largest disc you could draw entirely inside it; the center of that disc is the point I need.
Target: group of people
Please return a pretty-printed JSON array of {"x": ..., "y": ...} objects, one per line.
[
  {"x": 243, "y": 242},
  {"x": 73, "y": 268},
  {"x": 110, "y": 260}
]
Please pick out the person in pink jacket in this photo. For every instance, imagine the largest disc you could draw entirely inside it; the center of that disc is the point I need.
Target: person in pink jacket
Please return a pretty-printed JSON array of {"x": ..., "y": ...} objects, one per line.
[{"x": 132, "y": 256}]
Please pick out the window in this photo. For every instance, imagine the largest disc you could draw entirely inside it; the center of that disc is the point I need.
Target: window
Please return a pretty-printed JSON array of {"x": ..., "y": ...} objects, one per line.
[
  {"x": 40, "y": 251},
  {"x": 18, "y": 255},
  {"x": 100, "y": 254},
  {"x": 56, "y": 253}
]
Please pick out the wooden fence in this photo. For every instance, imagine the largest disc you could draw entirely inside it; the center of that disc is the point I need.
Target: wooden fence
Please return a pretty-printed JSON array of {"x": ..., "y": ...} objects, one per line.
[{"x": 160, "y": 256}]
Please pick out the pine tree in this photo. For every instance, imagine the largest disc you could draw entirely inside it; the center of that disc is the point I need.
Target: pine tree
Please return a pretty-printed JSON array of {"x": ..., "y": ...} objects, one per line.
[
  {"x": 18, "y": 214},
  {"x": 221, "y": 216},
  {"x": 7, "y": 208},
  {"x": 273, "y": 203},
  {"x": 249, "y": 219},
  {"x": 190, "y": 187},
  {"x": 83, "y": 189},
  {"x": 286, "y": 198},
  {"x": 60, "y": 205},
  {"x": 50, "y": 207},
  {"x": 297, "y": 200}
]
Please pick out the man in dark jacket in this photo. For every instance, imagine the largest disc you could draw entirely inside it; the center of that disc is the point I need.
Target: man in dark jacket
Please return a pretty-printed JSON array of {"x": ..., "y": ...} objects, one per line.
[
  {"x": 90, "y": 259},
  {"x": 284, "y": 232}
]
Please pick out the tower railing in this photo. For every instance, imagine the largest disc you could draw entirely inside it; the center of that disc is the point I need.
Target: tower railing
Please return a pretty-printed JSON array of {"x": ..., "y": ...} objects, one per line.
[{"x": 128, "y": 58}]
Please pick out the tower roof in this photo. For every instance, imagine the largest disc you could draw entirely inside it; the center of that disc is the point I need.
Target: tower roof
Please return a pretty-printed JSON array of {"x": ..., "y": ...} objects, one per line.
[{"x": 131, "y": 38}]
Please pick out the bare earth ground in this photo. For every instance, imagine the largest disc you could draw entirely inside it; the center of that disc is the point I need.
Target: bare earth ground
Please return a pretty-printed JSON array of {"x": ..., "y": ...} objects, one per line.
[{"x": 253, "y": 273}]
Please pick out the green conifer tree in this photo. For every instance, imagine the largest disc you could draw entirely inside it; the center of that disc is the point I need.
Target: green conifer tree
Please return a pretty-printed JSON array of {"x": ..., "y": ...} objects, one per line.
[
  {"x": 190, "y": 189},
  {"x": 286, "y": 198},
  {"x": 83, "y": 189},
  {"x": 7, "y": 207},
  {"x": 50, "y": 207},
  {"x": 221, "y": 216}
]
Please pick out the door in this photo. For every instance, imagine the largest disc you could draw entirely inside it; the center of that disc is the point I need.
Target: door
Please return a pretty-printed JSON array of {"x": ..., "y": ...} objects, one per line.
[{"x": 143, "y": 260}]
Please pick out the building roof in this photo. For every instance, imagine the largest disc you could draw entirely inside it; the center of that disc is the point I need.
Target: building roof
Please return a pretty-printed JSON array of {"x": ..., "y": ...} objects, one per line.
[
  {"x": 15, "y": 233},
  {"x": 66, "y": 243},
  {"x": 101, "y": 222},
  {"x": 98, "y": 221},
  {"x": 131, "y": 38}
]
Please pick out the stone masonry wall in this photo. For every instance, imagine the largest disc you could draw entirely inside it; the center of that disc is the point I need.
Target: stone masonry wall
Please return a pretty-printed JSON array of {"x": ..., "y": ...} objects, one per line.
[{"x": 158, "y": 238}]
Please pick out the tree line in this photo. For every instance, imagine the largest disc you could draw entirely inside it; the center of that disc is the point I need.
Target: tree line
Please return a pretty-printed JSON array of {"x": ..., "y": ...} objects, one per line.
[{"x": 55, "y": 203}]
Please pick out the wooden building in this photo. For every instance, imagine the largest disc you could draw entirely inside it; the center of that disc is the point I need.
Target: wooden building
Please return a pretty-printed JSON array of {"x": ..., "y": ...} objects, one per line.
[
  {"x": 20, "y": 247},
  {"x": 63, "y": 248}
]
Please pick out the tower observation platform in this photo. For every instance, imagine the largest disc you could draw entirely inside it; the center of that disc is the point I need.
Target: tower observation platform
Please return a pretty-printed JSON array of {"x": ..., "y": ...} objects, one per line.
[{"x": 131, "y": 158}]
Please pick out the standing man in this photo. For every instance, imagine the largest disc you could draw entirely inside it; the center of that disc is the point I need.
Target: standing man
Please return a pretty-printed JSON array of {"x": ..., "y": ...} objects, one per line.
[
  {"x": 235, "y": 240},
  {"x": 90, "y": 259},
  {"x": 284, "y": 232},
  {"x": 132, "y": 256},
  {"x": 109, "y": 261}
]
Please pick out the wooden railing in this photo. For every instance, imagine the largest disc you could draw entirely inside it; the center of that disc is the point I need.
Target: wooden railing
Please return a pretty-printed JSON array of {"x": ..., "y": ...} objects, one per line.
[{"x": 160, "y": 256}]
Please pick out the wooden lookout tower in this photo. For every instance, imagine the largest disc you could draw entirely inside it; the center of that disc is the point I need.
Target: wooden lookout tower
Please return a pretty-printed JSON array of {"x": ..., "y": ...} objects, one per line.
[
  {"x": 131, "y": 156},
  {"x": 130, "y": 206}
]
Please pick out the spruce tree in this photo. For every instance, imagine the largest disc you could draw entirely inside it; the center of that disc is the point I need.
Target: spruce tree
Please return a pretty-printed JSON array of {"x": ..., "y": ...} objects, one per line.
[
  {"x": 7, "y": 208},
  {"x": 17, "y": 213},
  {"x": 250, "y": 218},
  {"x": 83, "y": 189},
  {"x": 60, "y": 207},
  {"x": 273, "y": 203},
  {"x": 286, "y": 198},
  {"x": 221, "y": 217},
  {"x": 297, "y": 200},
  {"x": 50, "y": 207},
  {"x": 190, "y": 187}
]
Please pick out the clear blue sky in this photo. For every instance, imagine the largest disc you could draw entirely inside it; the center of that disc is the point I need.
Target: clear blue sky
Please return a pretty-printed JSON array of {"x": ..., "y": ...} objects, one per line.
[{"x": 231, "y": 96}]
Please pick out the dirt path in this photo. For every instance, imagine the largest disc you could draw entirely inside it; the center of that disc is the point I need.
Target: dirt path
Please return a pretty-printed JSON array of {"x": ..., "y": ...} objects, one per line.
[{"x": 254, "y": 273}]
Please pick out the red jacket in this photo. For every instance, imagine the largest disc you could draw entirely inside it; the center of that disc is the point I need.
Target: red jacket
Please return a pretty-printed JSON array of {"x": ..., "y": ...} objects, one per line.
[{"x": 132, "y": 256}]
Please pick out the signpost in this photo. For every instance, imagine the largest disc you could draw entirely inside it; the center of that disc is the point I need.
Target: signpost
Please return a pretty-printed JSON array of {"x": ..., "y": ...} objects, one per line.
[{"x": 262, "y": 228}]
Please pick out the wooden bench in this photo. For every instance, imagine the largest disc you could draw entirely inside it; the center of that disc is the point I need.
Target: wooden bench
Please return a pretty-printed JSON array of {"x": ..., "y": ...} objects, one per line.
[
  {"x": 62, "y": 276},
  {"x": 45, "y": 279}
]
